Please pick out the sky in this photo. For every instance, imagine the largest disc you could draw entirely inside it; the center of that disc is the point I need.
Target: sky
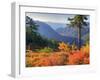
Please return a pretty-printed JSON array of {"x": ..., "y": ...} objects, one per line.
[
  {"x": 48, "y": 17},
  {"x": 51, "y": 17}
]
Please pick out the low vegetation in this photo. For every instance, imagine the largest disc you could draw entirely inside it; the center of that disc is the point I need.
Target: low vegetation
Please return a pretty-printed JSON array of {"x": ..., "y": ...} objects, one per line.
[{"x": 65, "y": 56}]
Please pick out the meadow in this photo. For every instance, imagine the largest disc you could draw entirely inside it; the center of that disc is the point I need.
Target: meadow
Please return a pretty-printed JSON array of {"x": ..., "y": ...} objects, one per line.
[{"x": 66, "y": 55}]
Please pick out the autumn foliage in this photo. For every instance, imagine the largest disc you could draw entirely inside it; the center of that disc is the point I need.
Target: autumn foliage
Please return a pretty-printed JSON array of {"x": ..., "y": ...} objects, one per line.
[
  {"x": 64, "y": 56},
  {"x": 63, "y": 47}
]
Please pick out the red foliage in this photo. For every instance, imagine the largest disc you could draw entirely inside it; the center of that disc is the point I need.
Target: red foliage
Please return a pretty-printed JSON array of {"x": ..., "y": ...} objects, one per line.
[
  {"x": 76, "y": 58},
  {"x": 86, "y": 60}
]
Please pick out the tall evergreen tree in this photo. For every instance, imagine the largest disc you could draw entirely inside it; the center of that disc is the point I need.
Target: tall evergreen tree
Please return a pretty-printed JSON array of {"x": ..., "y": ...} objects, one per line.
[{"x": 78, "y": 21}]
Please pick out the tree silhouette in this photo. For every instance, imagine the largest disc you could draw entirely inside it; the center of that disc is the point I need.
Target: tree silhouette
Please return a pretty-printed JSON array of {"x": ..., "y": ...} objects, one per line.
[{"x": 78, "y": 21}]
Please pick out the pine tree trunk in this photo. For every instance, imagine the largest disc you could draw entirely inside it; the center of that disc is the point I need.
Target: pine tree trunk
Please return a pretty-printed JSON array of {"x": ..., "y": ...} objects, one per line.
[{"x": 79, "y": 38}]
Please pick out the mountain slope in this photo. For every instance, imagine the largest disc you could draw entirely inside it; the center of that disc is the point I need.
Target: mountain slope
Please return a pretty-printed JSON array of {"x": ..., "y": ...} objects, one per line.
[
  {"x": 66, "y": 30},
  {"x": 46, "y": 31},
  {"x": 70, "y": 31}
]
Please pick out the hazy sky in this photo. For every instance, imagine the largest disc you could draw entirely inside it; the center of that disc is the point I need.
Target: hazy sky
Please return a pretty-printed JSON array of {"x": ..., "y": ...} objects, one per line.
[{"x": 48, "y": 17}]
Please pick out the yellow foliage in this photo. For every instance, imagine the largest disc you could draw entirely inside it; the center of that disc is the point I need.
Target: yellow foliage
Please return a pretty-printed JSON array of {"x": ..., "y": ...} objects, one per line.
[
  {"x": 85, "y": 49},
  {"x": 64, "y": 47},
  {"x": 73, "y": 47}
]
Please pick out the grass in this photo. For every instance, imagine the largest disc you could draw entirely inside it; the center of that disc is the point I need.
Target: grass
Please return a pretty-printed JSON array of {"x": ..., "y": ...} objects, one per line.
[{"x": 46, "y": 50}]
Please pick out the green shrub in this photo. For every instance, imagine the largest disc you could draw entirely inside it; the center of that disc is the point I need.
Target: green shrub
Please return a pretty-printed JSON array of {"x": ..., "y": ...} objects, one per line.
[{"x": 46, "y": 49}]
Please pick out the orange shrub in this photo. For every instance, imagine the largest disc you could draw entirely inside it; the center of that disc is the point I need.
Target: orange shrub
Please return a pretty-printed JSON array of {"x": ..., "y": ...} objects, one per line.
[
  {"x": 31, "y": 59},
  {"x": 58, "y": 59},
  {"x": 76, "y": 58},
  {"x": 43, "y": 61},
  {"x": 64, "y": 57}
]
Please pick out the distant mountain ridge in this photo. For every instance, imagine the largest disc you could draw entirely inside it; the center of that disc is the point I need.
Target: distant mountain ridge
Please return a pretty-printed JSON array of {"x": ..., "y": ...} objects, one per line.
[
  {"x": 66, "y": 30},
  {"x": 46, "y": 31}
]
